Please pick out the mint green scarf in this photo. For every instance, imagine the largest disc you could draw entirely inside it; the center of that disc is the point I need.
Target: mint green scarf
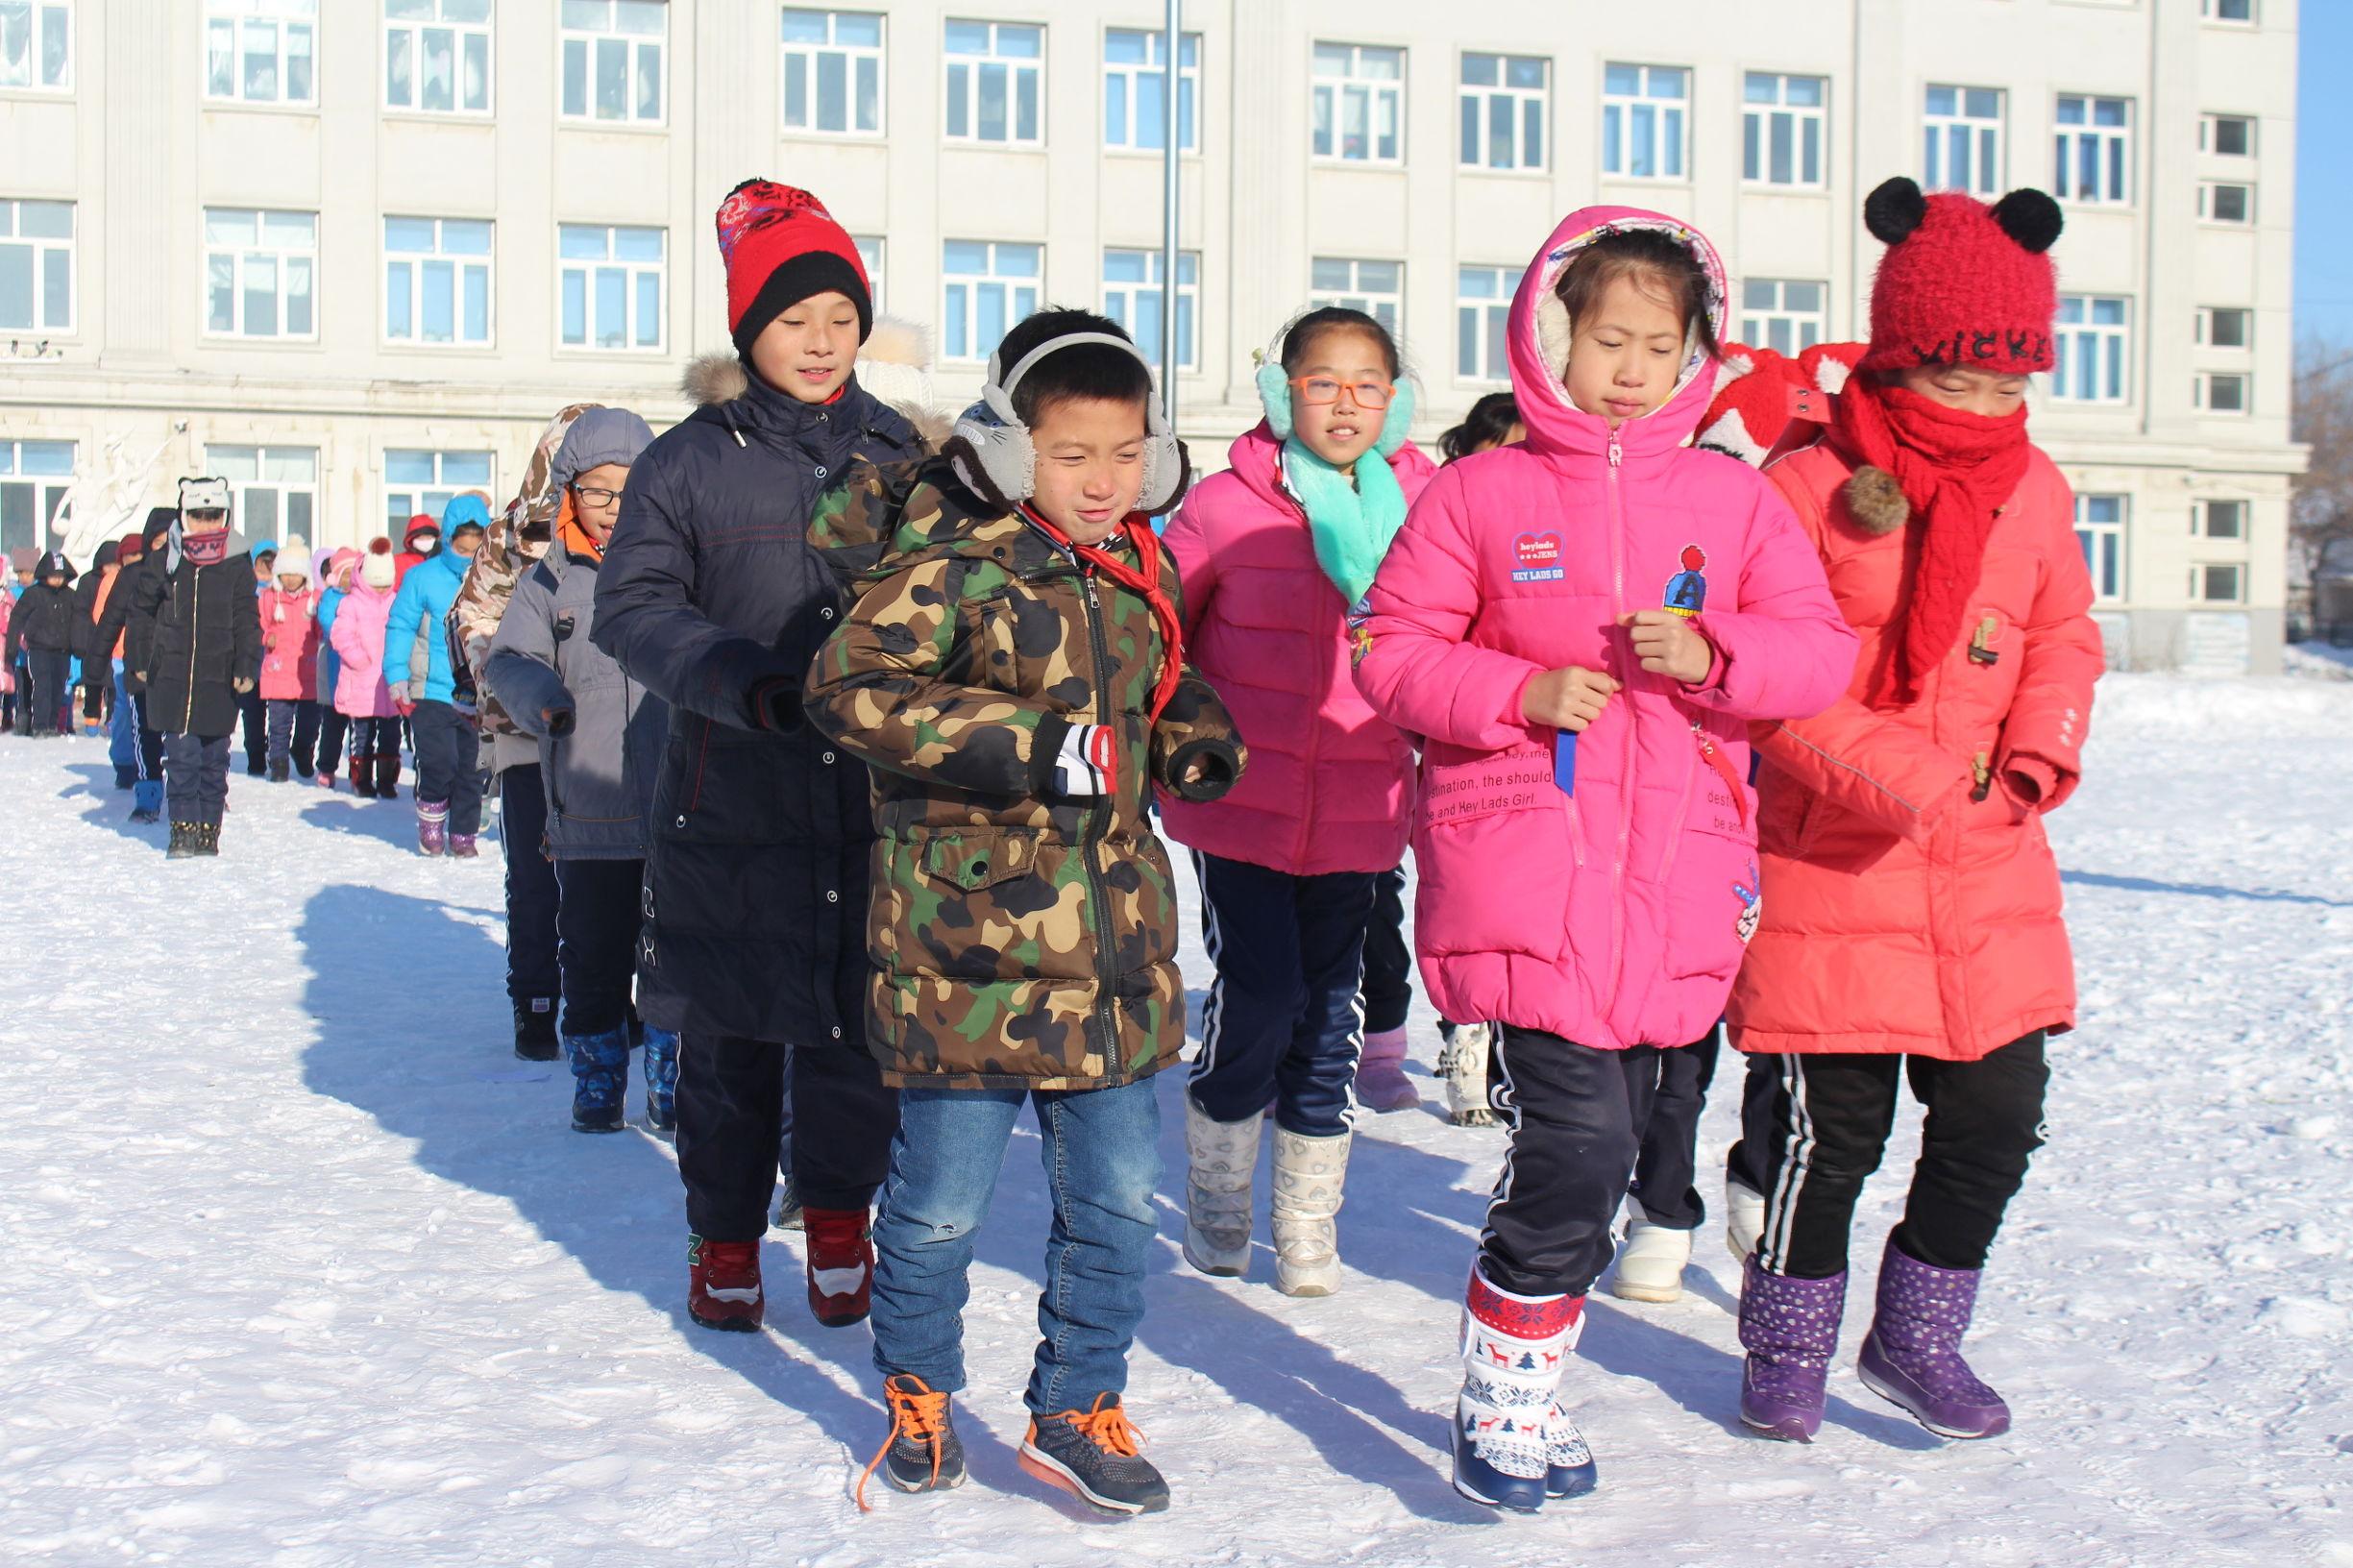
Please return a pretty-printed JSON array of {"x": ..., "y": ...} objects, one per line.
[{"x": 1352, "y": 523}]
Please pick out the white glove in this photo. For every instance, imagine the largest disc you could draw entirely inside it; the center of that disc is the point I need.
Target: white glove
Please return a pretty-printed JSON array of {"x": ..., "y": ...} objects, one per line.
[{"x": 1088, "y": 764}]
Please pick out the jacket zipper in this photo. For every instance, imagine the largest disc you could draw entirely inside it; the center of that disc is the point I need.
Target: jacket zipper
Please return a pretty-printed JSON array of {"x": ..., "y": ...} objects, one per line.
[
  {"x": 196, "y": 606},
  {"x": 1098, "y": 827},
  {"x": 1626, "y": 782},
  {"x": 1323, "y": 678}
]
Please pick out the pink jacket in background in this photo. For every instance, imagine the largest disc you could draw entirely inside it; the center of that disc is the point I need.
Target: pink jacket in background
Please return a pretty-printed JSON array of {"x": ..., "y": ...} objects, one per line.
[
  {"x": 1330, "y": 786},
  {"x": 290, "y": 645},
  {"x": 358, "y": 636},
  {"x": 1614, "y": 916}
]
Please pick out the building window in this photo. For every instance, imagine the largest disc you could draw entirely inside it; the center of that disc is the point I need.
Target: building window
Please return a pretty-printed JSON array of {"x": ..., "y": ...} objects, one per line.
[
  {"x": 1359, "y": 107},
  {"x": 987, "y": 287},
  {"x": 1377, "y": 288},
  {"x": 1503, "y": 111},
  {"x": 2100, "y": 528},
  {"x": 994, "y": 86},
  {"x": 1132, "y": 298},
  {"x": 437, "y": 55},
  {"x": 2219, "y": 520},
  {"x": 437, "y": 280},
  {"x": 2223, "y": 203},
  {"x": 37, "y": 266},
  {"x": 2220, "y": 392},
  {"x": 2092, "y": 338},
  {"x": 1782, "y": 131},
  {"x": 423, "y": 480},
  {"x": 36, "y": 44},
  {"x": 612, "y": 59},
  {"x": 2094, "y": 150},
  {"x": 1963, "y": 137},
  {"x": 870, "y": 255},
  {"x": 35, "y": 478},
  {"x": 1646, "y": 125},
  {"x": 2227, "y": 11},
  {"x": 276, "y": 489},
  {"x": 1483, "y": 311},
  {"x": 833, "y": 76},
  {"x": 609, "y": 287},
  {"x": 2226, "y": 326},
  {"x": 1136, "y": 90},
  {"x": 2226, "y": 136},
  {"x": 2212, "y": 582},
  {"x": 261, "y": 51},
  {"x": 1784, "y": 314},
  {"x": 258, "y": 272}
]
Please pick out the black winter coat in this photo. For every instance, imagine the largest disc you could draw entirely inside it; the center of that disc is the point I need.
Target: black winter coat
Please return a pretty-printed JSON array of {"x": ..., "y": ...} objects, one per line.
[
  {"x": 47, "y": 619},
  {"x": 201, "y": 626},
  {"x": 758, "y": 838},
  {"x": 138, "y": 631}
]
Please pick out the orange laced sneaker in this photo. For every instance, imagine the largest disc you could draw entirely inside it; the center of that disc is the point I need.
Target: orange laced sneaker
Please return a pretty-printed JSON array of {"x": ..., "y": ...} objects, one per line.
[
  {"x": 923, "y": 1452},
  {"x": 1096, "y": 1456}
]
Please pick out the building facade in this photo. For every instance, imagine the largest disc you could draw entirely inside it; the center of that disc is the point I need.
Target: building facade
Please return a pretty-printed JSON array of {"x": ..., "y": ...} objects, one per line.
[{"x": 353, "y": 252}]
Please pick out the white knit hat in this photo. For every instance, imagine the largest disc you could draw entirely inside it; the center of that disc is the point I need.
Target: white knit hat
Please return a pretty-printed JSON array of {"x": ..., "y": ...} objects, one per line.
[
  {"x": 376, "y": 568},
  {"x": 293, "y": 560}
]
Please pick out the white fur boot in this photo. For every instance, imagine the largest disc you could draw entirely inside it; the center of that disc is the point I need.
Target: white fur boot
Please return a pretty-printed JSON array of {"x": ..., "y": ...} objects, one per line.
[
  {"x": 1651, "y": 1263},
  {"x": 1463, "y": 1065}
]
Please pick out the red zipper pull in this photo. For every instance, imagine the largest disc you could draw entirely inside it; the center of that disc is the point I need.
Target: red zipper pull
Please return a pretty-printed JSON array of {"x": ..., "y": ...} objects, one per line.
[{"x": 1723, "y": 765}]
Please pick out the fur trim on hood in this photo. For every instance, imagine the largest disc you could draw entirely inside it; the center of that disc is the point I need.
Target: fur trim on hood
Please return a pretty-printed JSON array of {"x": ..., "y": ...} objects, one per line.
[{"x": 894, "y": 364}]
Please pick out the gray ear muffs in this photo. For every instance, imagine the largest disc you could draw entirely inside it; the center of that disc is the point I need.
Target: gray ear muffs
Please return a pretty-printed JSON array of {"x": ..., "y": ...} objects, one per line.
[{"x": 995, "y": 439}]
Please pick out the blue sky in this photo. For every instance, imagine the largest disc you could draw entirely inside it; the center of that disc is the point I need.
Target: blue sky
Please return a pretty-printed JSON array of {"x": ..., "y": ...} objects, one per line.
[{"x": 2324, "y": 151}]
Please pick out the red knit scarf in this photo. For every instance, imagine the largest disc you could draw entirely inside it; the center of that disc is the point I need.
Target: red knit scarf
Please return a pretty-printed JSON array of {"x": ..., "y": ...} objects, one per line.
[
  {"x": 205, "y": 547},
  {"x": 1143, "y": 580},
  {"x": 1957, "y": 469}
]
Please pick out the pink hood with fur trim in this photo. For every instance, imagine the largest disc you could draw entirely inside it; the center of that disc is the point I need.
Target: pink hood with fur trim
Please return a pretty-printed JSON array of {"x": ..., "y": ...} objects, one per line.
[{"x": 1613, "y": 914}]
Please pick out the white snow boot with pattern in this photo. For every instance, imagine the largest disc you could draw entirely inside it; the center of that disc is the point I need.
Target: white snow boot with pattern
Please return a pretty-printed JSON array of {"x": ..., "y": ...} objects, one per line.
[
  {"x": 1311, "y": 1175},
  {"x": 1220, "y": 1158},
  {"x": 1463, "y": 1065}
]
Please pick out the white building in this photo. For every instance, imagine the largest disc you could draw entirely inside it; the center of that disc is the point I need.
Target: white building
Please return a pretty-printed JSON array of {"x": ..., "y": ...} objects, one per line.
[{"x": 355, "y": 252}]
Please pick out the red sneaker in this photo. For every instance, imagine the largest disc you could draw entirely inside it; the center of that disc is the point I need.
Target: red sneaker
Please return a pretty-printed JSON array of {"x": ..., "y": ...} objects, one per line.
[
  {"x": 840, "y": 1265},
  {"x": 724, "y": 1284}
]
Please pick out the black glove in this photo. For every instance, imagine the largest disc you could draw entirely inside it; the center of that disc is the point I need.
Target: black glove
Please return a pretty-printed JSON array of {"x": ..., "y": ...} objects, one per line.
[{"x": 775, "y": 704}]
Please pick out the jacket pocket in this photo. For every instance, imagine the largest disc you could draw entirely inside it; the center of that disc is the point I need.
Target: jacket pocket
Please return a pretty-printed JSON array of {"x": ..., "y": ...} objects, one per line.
[
  {"x": 1495, "y": 848},
  {"x": 975, "y": 861},
  {"x": 987, "y": 904},
  {"x": 1713, "y": 906},
  {"x": 725, "y": 786}
]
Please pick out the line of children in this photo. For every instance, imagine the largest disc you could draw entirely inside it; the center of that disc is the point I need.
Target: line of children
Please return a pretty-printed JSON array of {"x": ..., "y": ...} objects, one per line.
[
  {"x": 600, "y": 736},
  {"x": 1586, "y": 845},
  {"x": 1013, "y": 671},
  {"x": 1274, "y": 553}
]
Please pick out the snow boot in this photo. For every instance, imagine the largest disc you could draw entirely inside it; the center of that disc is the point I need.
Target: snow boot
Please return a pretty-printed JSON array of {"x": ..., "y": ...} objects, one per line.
[
  {"x": 183, "y": 846},
  {"x": 388, "y": 775},
  {"x": 1381, "y": 1074},
  {"x": 1789, "y": 1327},
  {"x": 1912, "y": 1355},
  {"x": 1220, "y": 1158},
  {"x": 661, "y": 1080},
  {"x": 840, "y": 1265},
  {"x": 535, "y": 1029},
  {"x": 125, "y": 780},
  {"x": 1514, "y": 1349},
  {"x": 1569, "y": 1470},
  {"x": 433, "y": 826},
  {"x": 601, "y": 1074},
  {"x": 723, "y": 1283},
  {"x": 325, "y": 782},
  {"x": 1744, "y": 1216},
  {"x": 1463, "y": 1065},
  {"x": 789, "y": 1215},
  {"x": 207, "y": 838},
  {"x": 462, "y": 846},
  {"x": 1311, "y": 1174},
  {"x": 281, "y": 771},
  {"x": 363, "y": 776},
  {"x": 923, "y": 1452},
  {"x": 1651, "y": 1263},
  {"x": 147, "y": 800},
  {"x": 1096, "y": 1456}
]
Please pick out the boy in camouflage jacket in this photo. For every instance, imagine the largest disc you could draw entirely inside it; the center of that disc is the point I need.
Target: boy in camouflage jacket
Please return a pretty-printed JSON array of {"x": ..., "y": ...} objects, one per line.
[{"x": 1013, "y": 673}]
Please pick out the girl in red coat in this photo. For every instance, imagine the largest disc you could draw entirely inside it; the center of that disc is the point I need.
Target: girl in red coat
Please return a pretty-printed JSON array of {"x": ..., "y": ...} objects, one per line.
[{"x": 1911, "y": 922}]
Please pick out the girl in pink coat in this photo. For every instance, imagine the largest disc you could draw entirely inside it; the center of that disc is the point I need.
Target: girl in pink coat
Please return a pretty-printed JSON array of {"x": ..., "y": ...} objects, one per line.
[
  {"x": 290, "y": 663},
  {"x": 1274, "y": 553},
  {"x": 360, "y": 691},
  {"x": 1581, "y": 627}
]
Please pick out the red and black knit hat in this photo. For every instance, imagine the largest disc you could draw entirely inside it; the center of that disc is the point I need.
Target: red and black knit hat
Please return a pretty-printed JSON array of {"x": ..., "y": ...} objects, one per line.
[
  {"x": 780, "y": 245},
  {"x": 1962, "y": 283}
]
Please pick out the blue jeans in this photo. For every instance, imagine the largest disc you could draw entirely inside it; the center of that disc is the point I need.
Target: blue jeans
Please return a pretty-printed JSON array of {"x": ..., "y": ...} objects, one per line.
[
  {"x": 123, "y": 733},
  {"x": 1101, "y": 1150}
]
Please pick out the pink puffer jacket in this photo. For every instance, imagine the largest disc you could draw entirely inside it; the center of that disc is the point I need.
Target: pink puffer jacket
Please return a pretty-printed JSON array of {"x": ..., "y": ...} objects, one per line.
[
  {"x": 1614, "y": 916},
  {"x": 1330, "y": 786},
  {"x": 290, "y": 645},
  {"x": 358, "y": 636}
]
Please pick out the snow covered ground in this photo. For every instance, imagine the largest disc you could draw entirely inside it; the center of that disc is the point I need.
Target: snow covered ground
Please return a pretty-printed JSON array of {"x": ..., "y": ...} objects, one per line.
[{"x": 298, "y": 1266}]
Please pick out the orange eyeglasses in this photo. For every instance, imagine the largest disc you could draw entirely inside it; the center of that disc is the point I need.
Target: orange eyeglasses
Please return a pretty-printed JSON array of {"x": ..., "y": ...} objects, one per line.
[{"x": 1327, "y": 389}]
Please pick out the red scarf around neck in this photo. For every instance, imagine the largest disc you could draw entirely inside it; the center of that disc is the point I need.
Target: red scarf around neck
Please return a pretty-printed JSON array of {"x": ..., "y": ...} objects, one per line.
[
  {"x": 1143, "y": 580},
  {"x": 206, "y": 547},
  {"x": 1957, "y": 469}
]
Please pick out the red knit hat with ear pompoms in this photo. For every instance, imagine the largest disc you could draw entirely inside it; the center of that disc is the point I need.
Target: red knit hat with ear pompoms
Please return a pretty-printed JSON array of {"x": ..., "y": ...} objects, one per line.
[{"x": 1962, "y": 283}]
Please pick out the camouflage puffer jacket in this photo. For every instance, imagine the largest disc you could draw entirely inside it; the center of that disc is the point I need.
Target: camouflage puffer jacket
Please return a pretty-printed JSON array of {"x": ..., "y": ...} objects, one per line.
[{"x": 1020, "y": 939}]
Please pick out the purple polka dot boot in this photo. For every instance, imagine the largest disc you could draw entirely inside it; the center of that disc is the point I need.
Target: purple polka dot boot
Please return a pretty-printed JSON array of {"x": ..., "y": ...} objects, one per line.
[
  {"x": 1789, "y": 1327},
  {"x": 1912, "y": 1355}
]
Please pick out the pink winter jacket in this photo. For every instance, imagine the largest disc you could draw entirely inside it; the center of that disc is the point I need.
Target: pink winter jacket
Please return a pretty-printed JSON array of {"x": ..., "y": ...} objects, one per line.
[
  {"x": 290, "y": 645},
  {"x": 1614, "y": 916},
  {"x": 1330, "y": 786},
  {"x": 358, "y": 636}
]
